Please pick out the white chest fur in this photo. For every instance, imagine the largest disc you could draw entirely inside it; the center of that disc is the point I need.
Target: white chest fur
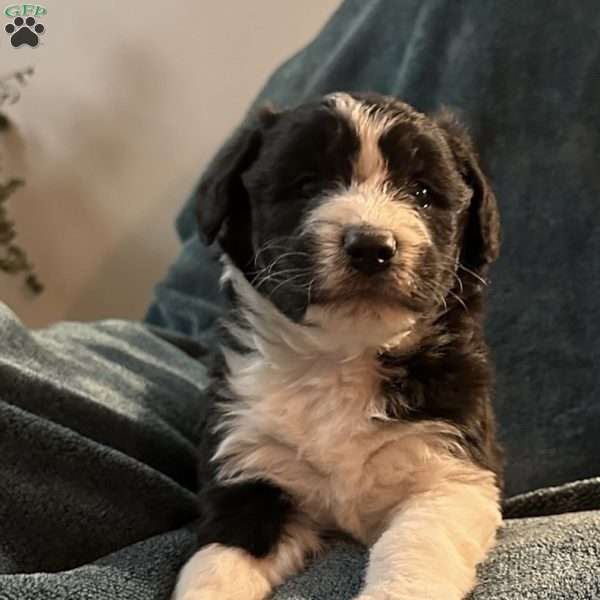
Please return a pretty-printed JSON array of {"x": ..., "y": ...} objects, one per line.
[{"x": 308, "y": 415}]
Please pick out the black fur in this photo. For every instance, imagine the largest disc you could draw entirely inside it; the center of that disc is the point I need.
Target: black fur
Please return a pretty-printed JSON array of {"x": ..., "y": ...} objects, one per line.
[
  {"x": 248, "y": 515},
  {"x": 253, "y": 207},
  {"x": 449, "y": 378},
  {"x": 253, "y": 200}
]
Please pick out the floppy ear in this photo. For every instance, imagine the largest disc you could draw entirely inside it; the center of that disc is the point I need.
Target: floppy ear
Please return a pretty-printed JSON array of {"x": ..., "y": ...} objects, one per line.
[
  {"x": 481, "y": 239},
  {"x": 222, "y": 201}
]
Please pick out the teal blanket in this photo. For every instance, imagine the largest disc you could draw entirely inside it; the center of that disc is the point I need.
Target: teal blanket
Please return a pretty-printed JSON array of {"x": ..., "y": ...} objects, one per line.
[
  {"x": 97, "y": 421},
  {"x": 97, "y": 458}
]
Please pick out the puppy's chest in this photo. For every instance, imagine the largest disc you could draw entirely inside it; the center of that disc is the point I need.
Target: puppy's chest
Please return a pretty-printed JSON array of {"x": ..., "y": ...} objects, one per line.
[{"x": 310, "y": 429}]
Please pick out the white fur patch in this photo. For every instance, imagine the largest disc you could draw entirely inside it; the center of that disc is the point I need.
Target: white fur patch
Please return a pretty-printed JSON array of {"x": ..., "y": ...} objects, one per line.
[
  {"x": 304, "y": 415},
  {"x": 366, "y": 204},
  {"x": 370, "y": 123},
  {"x": 369, "y": 200},
  {"x": 435, "y": 539},
  {"x": 218, "y": 572}
]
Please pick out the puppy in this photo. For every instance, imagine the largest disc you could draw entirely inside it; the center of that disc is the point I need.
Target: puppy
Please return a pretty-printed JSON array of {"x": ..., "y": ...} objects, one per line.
[{"x": 354, "y": 388}]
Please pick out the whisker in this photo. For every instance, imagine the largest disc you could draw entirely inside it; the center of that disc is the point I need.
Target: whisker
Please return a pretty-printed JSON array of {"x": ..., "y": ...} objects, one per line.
[
  {"x": 459, "y": 300},
  {"x": 452, "y": 272},
  {"x": 309, "y": 289},
  {"x": 278, "y": 242},
  {"x": 269, "y": 267},
  {"x": 459, "y": 265},
  {"x": 287, "y": 281},
  {"x": 257, "y": 259},
  {"x": 277, "y": 274},
  {"x": 472, "y": 273}
]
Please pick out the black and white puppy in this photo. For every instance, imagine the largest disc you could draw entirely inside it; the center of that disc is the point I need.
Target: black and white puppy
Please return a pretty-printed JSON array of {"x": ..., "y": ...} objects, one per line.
[{"x": 354, "y": 389}]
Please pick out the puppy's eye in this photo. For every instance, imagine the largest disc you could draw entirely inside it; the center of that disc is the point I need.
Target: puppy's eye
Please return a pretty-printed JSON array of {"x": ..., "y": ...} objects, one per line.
[{"x": 423, "y": 195}]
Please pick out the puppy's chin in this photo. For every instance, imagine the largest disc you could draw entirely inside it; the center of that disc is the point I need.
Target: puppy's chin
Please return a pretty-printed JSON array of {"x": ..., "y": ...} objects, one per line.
[
  {"x": 360, "y": 325},
  {"x": 348, "y": 326},
  {"x": 377, "y": 298}
]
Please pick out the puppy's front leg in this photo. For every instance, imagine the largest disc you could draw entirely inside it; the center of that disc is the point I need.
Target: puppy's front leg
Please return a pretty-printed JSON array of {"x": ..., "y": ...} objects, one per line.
[
  {"x": 435, "y": 540},
  {"x": 220, "y": 572}
]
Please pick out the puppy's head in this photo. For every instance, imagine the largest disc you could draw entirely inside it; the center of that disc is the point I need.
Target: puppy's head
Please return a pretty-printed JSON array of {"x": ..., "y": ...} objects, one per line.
[{"x": 357, "y": 205}]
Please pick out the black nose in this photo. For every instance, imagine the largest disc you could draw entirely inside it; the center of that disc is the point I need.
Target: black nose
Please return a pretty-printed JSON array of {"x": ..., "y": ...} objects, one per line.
[{"x": 370, "y": 250}]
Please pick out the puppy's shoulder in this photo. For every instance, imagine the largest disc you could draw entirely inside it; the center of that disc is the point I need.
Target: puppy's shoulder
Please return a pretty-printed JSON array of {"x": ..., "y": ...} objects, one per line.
[{"x": 449, "y": 378}]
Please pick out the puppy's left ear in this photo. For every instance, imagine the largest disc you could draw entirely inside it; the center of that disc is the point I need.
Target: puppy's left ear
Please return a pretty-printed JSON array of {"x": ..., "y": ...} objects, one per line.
[
  {"x": 222, "y": 201},
  {"x": 482, "y": 234}
]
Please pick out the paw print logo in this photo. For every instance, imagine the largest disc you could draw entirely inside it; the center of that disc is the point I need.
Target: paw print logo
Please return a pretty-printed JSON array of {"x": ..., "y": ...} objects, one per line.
[{"x": 24, "y": 32}]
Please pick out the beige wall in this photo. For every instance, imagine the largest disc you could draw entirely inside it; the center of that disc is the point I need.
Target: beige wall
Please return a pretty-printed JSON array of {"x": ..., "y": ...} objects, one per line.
[{"x": 129, "y": 100}]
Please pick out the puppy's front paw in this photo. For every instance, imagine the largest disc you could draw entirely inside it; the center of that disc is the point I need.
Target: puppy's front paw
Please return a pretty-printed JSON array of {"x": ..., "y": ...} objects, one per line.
[
  {"x": 197, "y": 595},
  {"x": 221, "y": 573},
  {"x": 400, "y": 595}
]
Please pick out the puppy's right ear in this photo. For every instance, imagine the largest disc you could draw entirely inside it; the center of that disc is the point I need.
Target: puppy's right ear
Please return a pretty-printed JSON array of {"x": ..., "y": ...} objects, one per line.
[
  {"x": 221, "y": 196},
  {"x": 481, "y": 240}
]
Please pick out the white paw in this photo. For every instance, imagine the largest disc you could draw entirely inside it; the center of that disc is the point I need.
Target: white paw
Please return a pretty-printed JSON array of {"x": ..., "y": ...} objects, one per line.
[
  {"x": 219, "y": 572},
  {"x": 198, "y": 595},
  {"x": 383, "y": 595}
]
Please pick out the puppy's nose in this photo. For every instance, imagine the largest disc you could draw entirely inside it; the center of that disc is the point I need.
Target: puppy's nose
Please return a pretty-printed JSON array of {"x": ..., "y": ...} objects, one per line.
[{"x": 370, "y": 250}]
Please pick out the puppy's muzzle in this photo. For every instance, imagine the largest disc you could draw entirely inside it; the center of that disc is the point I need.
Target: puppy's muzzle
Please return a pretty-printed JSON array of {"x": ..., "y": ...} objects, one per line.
[{"x": 369, "y": 250}]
